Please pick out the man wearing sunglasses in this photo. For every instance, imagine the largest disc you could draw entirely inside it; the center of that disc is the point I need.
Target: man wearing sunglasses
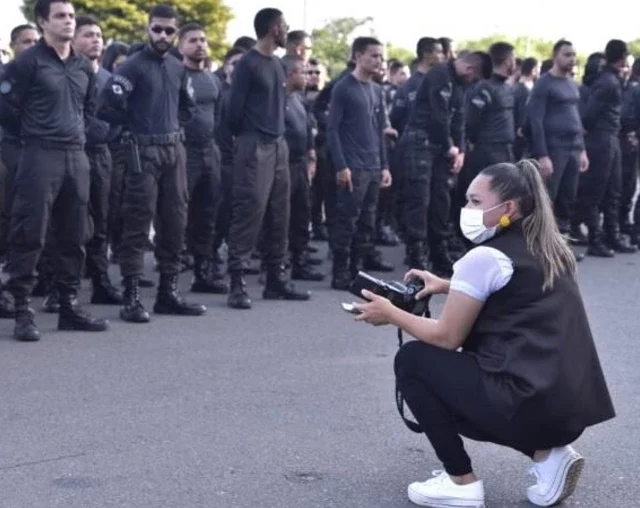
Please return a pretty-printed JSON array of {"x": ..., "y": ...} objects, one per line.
[{"x": 152, "y": 96}]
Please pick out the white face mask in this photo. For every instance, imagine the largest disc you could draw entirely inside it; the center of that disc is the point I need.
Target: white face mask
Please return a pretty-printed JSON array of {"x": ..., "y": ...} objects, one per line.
[{"x": 472, "y": 225}]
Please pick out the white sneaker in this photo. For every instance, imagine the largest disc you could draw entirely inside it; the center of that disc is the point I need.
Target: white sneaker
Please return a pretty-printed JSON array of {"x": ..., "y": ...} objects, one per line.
[
  {"x": 557, "y": 477},
  {"x": 442, "y": 492}
]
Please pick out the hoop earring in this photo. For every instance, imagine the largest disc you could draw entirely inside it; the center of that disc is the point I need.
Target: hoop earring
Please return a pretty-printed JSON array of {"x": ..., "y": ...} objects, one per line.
[{"x": 505, "y": 221}]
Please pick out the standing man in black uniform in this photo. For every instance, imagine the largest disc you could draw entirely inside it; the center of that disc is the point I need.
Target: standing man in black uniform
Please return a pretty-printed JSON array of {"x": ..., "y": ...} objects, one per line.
[
  {"x": 355, "y": 133},
  {"x": 261, "y": 183},
  {"x": 490, "y": 124},
  {"x": 47, "y": 94},
  {"x": 150, "y": 94},
  {"x": 88, "y": 42},
  {"x": 203, "y": 160},
  {"x": 600, "y": 188},
  {"x": 299, "y": 136},
  {"x": 434, "y": 152}
]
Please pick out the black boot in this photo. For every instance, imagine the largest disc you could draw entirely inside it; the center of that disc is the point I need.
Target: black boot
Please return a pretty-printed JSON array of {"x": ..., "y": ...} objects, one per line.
[
  {"x": 238, "y": 296},
  {"x": 25, "y": 329},
  {"x": 170, "y": 301},
  {"x": 51, "y": 302},
  {"x": 132, "y": 310},
  {"x": 614, "y": 239},
  {"x": 416, "y": 256},
  {"x": 301, "y": 269},
  {"x": 72, "y": 317},
  {"x": 342, "y": 278},
  {"x": 597, "y": 247},
  {"x": 204, "y": 281},
  {"x": 374, "y": 262},
  {"x": 142, "y": 282},
  {"x": 105, "y": 293},
  {"x": 577, "y": 237},
  {"x": 277, "y": 287}
]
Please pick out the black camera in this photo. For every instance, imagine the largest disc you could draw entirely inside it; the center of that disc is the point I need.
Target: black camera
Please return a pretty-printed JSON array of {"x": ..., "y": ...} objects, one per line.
[{"x": 400, "y": 294}]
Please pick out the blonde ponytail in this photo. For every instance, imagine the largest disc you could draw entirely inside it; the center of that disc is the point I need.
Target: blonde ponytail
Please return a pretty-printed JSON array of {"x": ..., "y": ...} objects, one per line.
[{"x": 541, "y": 232}]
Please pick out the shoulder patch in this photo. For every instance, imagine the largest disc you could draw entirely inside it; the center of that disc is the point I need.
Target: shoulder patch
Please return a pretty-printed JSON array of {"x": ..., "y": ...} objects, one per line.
[
  {"x": 123, "y": 82},
  {"x": 6, "y": 87}
]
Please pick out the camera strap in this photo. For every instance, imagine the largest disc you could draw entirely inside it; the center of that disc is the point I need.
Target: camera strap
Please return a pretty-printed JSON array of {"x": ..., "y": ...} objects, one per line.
[{"x": 413, "y": 426}]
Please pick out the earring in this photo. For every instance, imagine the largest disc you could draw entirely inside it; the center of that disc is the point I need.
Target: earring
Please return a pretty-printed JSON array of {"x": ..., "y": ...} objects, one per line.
[{"x": 505, "y": 221}]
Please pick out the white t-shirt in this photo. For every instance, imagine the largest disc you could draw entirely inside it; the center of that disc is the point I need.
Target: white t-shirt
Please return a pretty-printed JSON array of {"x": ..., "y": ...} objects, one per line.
[{"x": 481, "y": 272}]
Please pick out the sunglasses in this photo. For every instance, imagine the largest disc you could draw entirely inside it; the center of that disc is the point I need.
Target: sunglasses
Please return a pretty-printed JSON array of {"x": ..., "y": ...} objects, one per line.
[{"x": 169, "y": 30}]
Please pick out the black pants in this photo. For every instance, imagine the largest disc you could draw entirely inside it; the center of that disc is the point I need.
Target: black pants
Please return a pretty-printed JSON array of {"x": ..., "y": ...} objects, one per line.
[
  {"x": 319, "y": 188},
  {"x": 629, "y": 179},
  {"x": 119, "y": 163},
  {"x": 417, "y": 166},
  {"x": 51, "y": 188},
  {"x": 300, "y": 209},
  {"x": 160, "y": 190},
  {"x": 204, "y": 184},
  {"x": 100, "y": 163},
  {"x": 600, "y": 187},
  {"x": 223, "y": 220},
  {"x": 386, "y": 201},
  {"x": 330, "y": 191},
  {"x": 261, "y": 189},
  {"x": 446, "y": 394},
  {"x": 355, "y": 219},
  {"x": 10, "y": 151},
  {"x": 563, "y": 183}
]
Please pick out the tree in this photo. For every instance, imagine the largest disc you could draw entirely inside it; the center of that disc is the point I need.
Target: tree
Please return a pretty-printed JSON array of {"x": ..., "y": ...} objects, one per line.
[
  {"x": 125, "y": 20},
  {"x": 404, "y": 55},
  {"x": 524, "y": 46},
  {"x": 634, "y": 48},
  {"x": 332, "y": 42}
]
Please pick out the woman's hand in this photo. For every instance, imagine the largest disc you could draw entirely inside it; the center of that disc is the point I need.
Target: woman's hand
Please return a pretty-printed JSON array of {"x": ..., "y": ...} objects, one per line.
[
  {"x": 432, "y": 285},
  {"x": 377, "y": 311}
]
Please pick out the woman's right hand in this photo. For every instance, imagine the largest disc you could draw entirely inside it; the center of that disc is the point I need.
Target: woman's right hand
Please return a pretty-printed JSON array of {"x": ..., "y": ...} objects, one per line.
[{"x": 433, "y": 285}]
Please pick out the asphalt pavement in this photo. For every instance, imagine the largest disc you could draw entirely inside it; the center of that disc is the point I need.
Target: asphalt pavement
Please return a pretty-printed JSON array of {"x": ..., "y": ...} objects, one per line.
[{"x": 288, "y": 405}]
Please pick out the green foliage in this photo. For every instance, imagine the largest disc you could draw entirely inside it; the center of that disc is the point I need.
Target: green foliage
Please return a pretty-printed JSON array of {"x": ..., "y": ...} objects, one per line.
[
  {"x": 634, "y": 48},
  {"x": 525, "y": 46},
  {"x": 332, "y": 42},
  {"x": 404, "y": 55},
  {"x": 126, "y": 20}
]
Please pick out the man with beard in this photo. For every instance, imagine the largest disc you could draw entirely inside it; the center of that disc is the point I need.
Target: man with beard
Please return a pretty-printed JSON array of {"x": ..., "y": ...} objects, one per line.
[
  {"x": 557, "y": 139},
  {"x": 47, "y": 95},
  {"x": 203, "y": 160},
  {"x": 151, "y": 95},
  {"x": 261, "y": 167},
  {"x": 88, "y": 42}
]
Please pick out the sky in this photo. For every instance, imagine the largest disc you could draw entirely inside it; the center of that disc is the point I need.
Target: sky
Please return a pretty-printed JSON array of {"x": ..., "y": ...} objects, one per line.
[{"x": 588, "y": 29}]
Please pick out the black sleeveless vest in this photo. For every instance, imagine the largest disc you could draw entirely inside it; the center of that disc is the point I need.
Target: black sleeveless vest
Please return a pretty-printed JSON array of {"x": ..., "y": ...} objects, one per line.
[{"x": 535, "y": 347}]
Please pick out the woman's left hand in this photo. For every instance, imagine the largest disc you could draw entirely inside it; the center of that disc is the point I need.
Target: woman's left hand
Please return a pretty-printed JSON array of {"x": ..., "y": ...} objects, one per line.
[{"x": 377, "y": 311}]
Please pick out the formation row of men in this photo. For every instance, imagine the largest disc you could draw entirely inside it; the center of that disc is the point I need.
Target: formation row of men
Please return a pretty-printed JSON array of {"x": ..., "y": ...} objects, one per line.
[{"x": 161, "y": 140}]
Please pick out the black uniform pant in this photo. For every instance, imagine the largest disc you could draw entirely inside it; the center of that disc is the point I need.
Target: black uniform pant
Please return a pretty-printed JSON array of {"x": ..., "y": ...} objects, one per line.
[
  {"x": 223, "y": 220},
  {"x": 331, "y": 190},
  {"x": 355, "y": 218},
  {"x": 416, "y": 161},
  {"x": 563, "y": 183},
  {"x": 51, "y": 189},
  {"x": 629, "y": 179},
  {"x": 158, "y": 192},
  {"x": 300, "y": 208},
  {"x": 204, "y": 184},
  {"x": 100, "y": 188},
  {"x": 10, "y": 151},
  {"x": 261, "y": 188},
  {"x": 320, "y": 188},
  {"x": 600, "y": 187},
  {"x": 446, "y": 394},
  {"x": 120, "y": 154},
  {"x": 387, "y": 198}
]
